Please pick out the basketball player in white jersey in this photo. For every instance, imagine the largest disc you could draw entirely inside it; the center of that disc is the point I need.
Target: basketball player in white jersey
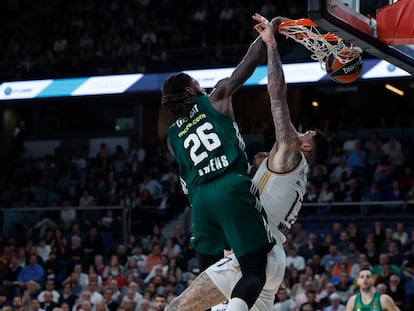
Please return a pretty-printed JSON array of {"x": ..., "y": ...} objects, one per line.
[{"x": 281, "y": 180}]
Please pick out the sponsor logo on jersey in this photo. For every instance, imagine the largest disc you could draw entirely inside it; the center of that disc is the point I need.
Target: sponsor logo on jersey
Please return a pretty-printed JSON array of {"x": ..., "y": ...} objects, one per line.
[
  {"x": 192, "y": 123},
  {"x": 193, "y": 111}
]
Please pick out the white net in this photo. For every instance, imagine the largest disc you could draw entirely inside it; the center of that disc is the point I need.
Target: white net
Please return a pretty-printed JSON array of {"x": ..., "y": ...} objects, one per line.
[{"x": 321, "y": 45}]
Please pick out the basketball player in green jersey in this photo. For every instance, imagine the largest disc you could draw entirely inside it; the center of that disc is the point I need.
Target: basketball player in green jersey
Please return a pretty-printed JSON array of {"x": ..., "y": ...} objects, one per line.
[
  {"x": 206, "y": 142},
  {"x": 368, "y": 299}
]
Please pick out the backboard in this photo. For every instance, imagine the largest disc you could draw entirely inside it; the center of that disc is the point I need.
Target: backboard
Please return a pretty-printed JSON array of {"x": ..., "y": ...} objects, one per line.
[{"x": 342, "y": 17}]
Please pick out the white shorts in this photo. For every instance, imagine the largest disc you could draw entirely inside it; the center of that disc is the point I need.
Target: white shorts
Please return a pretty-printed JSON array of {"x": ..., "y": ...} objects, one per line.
[{"x": 226, "y": 273}]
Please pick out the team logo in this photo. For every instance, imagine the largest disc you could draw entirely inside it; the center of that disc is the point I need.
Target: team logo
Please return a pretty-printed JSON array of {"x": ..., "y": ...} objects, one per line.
[{"x": 8, "y": 90}]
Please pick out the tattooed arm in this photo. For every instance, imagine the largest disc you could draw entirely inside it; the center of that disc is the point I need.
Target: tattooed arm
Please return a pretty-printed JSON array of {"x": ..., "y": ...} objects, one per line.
[
  {"x": 285, "y": 153},
  {"x": 200, "y": 295}
]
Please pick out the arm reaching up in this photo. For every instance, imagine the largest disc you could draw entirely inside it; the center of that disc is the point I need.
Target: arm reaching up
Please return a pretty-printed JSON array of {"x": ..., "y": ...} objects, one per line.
[{"x": 285, "y": 153}]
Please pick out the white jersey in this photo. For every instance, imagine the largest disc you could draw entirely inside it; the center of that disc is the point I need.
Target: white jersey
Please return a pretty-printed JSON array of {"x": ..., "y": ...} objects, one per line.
[
  {"x": 281, "y": 196},
  {"x": 226, "y": 273}
]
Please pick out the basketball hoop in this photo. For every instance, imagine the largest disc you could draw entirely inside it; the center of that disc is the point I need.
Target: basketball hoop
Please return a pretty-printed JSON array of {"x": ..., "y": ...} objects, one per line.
[{"x": 305, "y": 32}]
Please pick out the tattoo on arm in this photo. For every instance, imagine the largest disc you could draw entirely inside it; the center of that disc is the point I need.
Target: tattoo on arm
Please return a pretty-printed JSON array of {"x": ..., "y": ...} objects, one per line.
[
  {"x": 285, "y": 133},
  {"x": 199, "y": 296}
]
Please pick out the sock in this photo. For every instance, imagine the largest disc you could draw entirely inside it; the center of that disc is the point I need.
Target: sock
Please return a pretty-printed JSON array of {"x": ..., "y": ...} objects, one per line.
[{"x": 236, "y": 304}]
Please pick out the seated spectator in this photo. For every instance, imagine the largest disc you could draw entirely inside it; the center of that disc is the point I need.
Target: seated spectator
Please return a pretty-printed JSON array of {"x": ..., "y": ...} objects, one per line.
[
  {"x": 342, "y": 168},
  {"x": 77, "y": 280},
  {"x": 94, "y": 289},
  {"x": 384, "y": 264},
  {"x": 160, "y": 269},
  {"x": 400, "y": 234},
  {"x": 361, "y": 263},
  {"x": 344, "y": 287},
  {"x": 152, "y": 185},
  {"x": 396, "y": 291},
  {"x": 48, "y": 304},
  {"x": 298, "y": 290},
  {"x": 384, "y": 277},
  {"x": 299, "y": 235},
  {"x": 373, "y": 194},
  {"x": 67, "y": 295},
  {"x": 35, "y": 304},
  {"x": 310, "y": 300},
  {"x": 114, "y": 267},
  {"x": 392, "y": 149},
  {"x": 396, "y": 257},
  {"x": 132, "y": 294},
  {"x": 49, "y": 287},
  {"x": 311, "y": 195},
  {"x": 154, "y": 257},
  {"x": 354, "y": 156},
  {"x": 336, "y": 304},
  {"x": 311, "y": 247},
  {"x": 43, "y": 250},
  {"x": 293, "y": 260},
  {"x": 388, "y": 238},
  {"x": 83, "y": 301},
  {"x": 330, "y": 259},
  {"x": 343, "y": 266},
  {"x": 108, "y": 299},
  {"x": 325, "y": 293},
  {"x": 350, "y": 141},
  {"x": 11, "y": 274},
  {"x": 128, "y": 305},
  {"x": 32, "y": 276},
  {"x": 75, "y": 253},
  {"x": 343, "y": 244},
  {"x": 3, "y": 299},
  {"x": 17, "y": 304},
  {"x": 383, "y": 171}
]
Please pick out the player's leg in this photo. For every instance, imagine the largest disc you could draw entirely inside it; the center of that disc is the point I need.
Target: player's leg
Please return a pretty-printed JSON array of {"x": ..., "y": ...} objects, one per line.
[
  {"x": 205, "y": 261},
  {"x": 248, "y": 288},
  {"x": 200, "y": 295}
]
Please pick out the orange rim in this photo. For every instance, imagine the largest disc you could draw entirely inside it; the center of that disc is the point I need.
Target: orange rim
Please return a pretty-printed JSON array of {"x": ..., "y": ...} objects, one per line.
[
  {"x": 331, "y": 37},
  {"x": 307, "y": 22}
]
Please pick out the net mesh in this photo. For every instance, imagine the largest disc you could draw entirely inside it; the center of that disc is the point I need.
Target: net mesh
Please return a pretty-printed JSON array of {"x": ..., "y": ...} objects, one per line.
[{"x": 321, "y": 45}]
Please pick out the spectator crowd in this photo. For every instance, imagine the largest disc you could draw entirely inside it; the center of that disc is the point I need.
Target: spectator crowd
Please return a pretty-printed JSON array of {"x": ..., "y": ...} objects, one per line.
[
  {"x": 57, "y": 39},
  {"x": 60, "y": 258}
]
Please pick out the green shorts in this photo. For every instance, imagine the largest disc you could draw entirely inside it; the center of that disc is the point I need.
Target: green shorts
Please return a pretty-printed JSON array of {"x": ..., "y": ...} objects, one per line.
[{"x": 225, "y": 213}]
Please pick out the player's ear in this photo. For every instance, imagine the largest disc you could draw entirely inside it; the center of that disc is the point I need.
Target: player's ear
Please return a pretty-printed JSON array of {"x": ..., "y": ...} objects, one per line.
[
  {"x": 306, "y": 147},
  {"x": 191, "y": 90}
]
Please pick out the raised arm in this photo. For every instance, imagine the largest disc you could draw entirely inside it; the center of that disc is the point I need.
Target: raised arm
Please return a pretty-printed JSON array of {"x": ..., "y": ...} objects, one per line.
[
  {"x": 285, "y": 152},
  {"x": 255, "y": 55}
]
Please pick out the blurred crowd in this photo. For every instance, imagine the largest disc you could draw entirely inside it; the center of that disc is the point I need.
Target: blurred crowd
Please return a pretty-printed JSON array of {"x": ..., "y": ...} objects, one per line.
[
  {"x": 70, "y": 249},
  {"x": 54, "y": 39}
]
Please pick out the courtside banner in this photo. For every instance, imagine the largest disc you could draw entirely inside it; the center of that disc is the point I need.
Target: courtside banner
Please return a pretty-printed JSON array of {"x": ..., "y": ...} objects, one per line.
[{"x": 296, "y": 73}]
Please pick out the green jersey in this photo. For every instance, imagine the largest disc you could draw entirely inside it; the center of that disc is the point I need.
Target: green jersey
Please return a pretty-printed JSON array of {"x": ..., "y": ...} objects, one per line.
[
  {"x": 213, "y": 167},
  {"x": 374, "y": 305},
  {"x": 206, "y": 145}
]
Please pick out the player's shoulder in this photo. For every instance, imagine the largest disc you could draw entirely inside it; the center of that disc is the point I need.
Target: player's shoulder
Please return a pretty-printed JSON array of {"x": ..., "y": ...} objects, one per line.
[
  {"x": 350, "y": 303},
  {"x": 221, "y": 90},
  {"x": 386, "y": 300}
]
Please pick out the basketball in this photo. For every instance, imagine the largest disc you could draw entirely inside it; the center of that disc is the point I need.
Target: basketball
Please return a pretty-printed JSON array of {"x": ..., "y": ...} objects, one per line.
[{"x": 343, "y": 72}]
